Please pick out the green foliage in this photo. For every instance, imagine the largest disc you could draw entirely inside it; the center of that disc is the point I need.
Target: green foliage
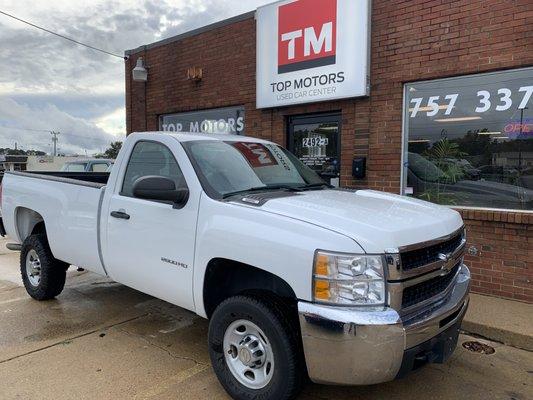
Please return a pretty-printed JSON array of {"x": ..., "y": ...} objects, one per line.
[
  {"x": 445, "y": 149},
  {"x": 112, "y": 151},
  {"x": 12, "y": 152},
  {"x": 443, "y": 154}
]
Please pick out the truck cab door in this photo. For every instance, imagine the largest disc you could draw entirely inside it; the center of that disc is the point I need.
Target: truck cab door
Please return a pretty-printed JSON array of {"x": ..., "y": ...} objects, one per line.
[{"x": 150, "y": 244}]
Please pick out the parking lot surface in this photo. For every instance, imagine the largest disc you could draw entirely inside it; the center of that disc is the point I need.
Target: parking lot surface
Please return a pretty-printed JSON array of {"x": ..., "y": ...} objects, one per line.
[{"x": 102, "y": 340}]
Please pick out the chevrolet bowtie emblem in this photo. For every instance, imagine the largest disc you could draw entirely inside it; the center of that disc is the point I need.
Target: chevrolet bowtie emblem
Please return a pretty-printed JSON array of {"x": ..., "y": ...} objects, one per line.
[{"x": 446, "y": 258}]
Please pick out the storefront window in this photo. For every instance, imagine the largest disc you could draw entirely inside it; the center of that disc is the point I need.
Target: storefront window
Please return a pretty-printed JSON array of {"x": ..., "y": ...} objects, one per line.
[
  {"x": 228, "y": 120},
  {"x": 469, "y": 140}
]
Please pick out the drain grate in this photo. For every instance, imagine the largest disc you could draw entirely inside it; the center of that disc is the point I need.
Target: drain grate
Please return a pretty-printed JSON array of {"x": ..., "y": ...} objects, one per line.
[{"x": 480, "y": 348}]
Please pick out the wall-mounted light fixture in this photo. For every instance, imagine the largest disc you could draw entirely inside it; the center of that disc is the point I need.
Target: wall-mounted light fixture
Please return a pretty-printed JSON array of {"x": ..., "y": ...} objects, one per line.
[
  {"x": 195, "y": 74},
  {"x": 140, "y": 73}
]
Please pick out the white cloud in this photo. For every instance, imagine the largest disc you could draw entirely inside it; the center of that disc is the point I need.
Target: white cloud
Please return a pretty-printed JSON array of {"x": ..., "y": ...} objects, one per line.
[
  {"x": 36, "y": 65},
  {"x": 114, "y": 123},
  {"x": 77, "y": 135}
]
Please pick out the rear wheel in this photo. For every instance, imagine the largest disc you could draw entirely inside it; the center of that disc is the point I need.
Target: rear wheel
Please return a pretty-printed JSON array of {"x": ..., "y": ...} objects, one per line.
[
  {"x": 255, "y": 350},
  {"x": 43, "y": 276}
]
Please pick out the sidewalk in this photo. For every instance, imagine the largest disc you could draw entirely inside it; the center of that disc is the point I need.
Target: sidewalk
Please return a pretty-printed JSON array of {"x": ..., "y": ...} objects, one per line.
[{"x": 506, "y": 321}]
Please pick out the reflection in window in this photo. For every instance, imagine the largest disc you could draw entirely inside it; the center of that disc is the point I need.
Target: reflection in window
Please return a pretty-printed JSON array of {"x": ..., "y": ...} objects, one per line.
[{"x": 470, "y": 140}]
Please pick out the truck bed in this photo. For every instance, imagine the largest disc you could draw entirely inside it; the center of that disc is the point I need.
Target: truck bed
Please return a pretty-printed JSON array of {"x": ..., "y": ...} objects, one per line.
[{"x": 68, "y": 202}]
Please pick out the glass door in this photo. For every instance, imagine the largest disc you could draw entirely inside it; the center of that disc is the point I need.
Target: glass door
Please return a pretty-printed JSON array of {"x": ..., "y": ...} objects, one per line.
[{"x": 315, "y": 140}]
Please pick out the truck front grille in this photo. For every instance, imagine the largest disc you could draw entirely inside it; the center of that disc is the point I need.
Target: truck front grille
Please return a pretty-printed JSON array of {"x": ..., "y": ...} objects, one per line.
[
  {"x": 427, "y": 255},
  {"x": 428, "y": 289}
]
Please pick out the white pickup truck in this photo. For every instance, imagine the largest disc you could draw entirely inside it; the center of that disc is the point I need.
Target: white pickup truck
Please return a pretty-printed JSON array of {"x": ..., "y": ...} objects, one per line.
[{"x": 297, "y": 278}]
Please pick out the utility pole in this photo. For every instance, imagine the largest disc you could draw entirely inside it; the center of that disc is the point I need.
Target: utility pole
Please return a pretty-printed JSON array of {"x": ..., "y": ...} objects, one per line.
[{"x": 55, "y": 140}]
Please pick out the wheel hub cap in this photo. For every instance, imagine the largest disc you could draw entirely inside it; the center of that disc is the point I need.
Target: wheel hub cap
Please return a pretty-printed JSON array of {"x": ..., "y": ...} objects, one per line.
[
  {"x": 252, "y": 352},
  {"x": 248, "y": 354},
  {"x": 33, "y": 268},
  {"x": 245, "y": 356}
]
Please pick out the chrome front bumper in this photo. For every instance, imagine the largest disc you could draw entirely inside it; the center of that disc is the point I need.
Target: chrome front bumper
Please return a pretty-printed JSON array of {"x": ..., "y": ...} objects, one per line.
[{"x": 365, "y": 346}]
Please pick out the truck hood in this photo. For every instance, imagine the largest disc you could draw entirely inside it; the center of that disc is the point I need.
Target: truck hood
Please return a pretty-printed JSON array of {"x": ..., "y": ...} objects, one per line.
[{"x": 376, "y": 221}]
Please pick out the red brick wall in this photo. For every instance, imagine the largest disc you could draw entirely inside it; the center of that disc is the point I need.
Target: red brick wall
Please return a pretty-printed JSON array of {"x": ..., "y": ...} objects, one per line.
[
  {"x": 503, "y": 265},
  {"x": 411, "y": 40}
]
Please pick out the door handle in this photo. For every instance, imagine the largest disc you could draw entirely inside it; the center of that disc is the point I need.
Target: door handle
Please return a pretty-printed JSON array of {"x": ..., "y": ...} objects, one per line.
[{"x": 120, "y": 215}]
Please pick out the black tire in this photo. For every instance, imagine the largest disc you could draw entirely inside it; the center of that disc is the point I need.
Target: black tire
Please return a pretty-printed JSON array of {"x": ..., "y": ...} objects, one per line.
[
  {"x": 275, "y": 320},
  {"x": 53, "y": 272}
]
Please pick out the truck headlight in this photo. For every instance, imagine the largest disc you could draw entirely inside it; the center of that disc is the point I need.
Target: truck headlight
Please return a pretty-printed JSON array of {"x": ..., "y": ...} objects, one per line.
[{"x": 348, "y": 279}]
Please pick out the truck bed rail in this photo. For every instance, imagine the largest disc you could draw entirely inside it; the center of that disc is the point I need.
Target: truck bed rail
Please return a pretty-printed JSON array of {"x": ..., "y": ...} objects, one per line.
[{"x": 90, "y": 179}]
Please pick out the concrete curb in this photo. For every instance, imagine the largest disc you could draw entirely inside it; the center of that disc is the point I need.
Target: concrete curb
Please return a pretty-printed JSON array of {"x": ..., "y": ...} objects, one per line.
[
  {"x": 506, "y": 321},
  {"x": 508, "y": 338}
]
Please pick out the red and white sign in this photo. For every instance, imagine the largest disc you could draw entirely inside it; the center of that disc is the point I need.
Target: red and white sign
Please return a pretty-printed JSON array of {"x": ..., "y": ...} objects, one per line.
[
  {"x": 307, "y": 35},
  {"x": 312, "y": 50},
  {"x": 256, "y": 154}
]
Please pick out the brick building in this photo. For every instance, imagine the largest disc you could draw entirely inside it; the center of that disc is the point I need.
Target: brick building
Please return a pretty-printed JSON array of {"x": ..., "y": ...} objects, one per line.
[{"x": 447, "y": 115}]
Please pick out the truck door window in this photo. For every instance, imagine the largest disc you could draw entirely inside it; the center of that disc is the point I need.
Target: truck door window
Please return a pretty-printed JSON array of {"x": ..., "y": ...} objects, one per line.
[{"x": 150, "y": 158}]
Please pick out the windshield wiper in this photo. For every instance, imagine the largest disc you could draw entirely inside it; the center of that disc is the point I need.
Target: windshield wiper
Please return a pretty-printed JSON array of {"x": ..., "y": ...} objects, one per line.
[{"x": 262, "y": 188}]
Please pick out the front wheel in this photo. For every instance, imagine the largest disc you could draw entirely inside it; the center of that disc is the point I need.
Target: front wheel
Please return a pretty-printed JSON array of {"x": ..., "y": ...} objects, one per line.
[
  {"x": 255, "y": 350},
  {"x": 43, "y": 276}
]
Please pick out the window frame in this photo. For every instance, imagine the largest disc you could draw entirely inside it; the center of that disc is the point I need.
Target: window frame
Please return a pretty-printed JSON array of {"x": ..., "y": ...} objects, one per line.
[
  {"x": 123, "y": 177},
  {"x": 405, "y": 136}
]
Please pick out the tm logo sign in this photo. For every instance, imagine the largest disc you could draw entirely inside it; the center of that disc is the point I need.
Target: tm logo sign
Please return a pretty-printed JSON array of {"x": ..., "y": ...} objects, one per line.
[{"x": 307, "y": 35}]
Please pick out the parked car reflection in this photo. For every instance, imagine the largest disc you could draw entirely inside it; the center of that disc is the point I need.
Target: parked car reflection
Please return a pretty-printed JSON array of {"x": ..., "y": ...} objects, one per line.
[
  {"x": 429, "y": 182},
  {"x": 501, "y": 174}
]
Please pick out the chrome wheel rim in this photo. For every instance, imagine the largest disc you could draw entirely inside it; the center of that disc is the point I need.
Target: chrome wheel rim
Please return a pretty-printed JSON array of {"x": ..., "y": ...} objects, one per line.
[
  {"x": 248, "y": 354},
  {"x": 33, "y": 268}
]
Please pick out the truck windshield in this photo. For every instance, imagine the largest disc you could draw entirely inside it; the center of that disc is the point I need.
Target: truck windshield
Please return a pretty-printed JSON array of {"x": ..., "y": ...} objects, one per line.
[{"x": 229, "y": 168}]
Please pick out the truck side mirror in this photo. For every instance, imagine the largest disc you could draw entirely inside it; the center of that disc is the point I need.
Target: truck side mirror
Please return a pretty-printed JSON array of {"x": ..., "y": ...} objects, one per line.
[{"x": 160, "y": 188}]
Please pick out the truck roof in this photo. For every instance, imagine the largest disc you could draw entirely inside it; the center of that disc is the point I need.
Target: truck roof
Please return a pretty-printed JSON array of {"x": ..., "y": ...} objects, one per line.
[{"x": 190, "y": 136}]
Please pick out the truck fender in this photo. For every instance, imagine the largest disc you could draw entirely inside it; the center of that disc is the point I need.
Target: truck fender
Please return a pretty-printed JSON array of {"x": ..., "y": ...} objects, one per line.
[
  {"x": 27, "y": 221},
  {"x": 226, "y": 278}
]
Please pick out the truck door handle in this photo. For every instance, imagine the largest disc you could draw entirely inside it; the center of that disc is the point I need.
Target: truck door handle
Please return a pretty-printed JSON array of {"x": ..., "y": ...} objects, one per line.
[{"x": 120, "y": 215}]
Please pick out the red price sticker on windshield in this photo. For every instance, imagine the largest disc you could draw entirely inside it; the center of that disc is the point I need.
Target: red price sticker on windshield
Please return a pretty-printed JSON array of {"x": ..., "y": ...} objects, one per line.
[{"x": 256, "y": 154}]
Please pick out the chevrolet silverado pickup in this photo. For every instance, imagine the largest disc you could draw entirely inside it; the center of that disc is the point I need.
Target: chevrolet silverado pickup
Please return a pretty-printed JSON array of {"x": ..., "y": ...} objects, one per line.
[{"x": 297, "y": 279}]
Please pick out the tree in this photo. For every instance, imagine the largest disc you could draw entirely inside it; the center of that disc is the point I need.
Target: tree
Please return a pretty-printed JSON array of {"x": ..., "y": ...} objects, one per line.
[
  {"x": 18, "y": 152},
  {"x": 112, "y": 151}
]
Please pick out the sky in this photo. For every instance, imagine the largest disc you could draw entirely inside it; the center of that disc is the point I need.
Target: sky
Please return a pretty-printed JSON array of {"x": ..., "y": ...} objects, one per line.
[{"x": 50, "y": 84}]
